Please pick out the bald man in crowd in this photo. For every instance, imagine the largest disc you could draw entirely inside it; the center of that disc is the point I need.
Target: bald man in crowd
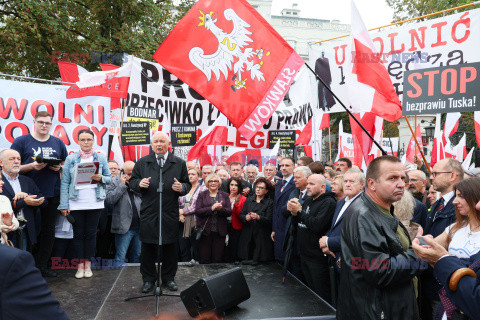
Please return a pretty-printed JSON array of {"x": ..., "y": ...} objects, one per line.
[{"x": 314, "y": 219}]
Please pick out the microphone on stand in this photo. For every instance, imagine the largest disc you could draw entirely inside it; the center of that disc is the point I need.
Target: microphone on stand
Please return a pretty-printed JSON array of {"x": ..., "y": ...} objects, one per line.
[{"x": 160, "y": 160}]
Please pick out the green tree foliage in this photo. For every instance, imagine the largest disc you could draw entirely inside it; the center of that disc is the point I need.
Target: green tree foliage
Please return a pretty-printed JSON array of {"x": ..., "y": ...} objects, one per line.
[
  {"x": 406, "y": 9},
  {"x": 34, "y": 32}
]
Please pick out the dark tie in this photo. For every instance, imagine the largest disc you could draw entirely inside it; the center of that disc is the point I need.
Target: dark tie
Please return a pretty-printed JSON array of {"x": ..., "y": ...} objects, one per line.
[
  {"x": 441, "y": 205},
  {"x": 283, "y": 185}
]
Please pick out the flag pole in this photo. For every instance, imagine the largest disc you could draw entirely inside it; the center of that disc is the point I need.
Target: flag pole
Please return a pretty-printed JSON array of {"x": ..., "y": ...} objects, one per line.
[
  {"x": 416, "y": 143},
  {"x": 124, "y": 102},
  {"x": 415, "y": 119},
  {"x": 389, "y": 136},
  {"x": 330, "y": 144},
  {"x": 346, "y": 109}
]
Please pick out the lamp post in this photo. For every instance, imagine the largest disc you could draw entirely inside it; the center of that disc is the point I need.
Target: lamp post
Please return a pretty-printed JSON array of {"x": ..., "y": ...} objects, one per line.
[{"x": 430, "y": 132}]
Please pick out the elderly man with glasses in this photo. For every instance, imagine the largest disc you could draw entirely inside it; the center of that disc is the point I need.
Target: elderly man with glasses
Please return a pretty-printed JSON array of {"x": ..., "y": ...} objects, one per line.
[{"x": 46, "y": 175}]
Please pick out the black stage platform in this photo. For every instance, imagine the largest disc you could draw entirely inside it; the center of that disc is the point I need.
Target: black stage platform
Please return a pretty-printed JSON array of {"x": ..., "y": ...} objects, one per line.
[{"x": 102, "y": 296}]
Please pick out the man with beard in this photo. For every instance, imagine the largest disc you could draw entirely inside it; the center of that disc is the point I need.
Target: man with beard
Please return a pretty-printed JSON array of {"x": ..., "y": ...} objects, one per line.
[
  {"x": 376, "y": 274},
  {"x": 343, "y": 164},
  {"x": 418, "y": 186},
  {"x": 23, "y": 193},
  {"x": 420, "y": 211},
  {"x": 47, "y": 178}
]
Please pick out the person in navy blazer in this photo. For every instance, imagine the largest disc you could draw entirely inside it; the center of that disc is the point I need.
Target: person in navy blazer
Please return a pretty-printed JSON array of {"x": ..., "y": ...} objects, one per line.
[
  {"x": 30, "y": 197},
  {"x": 24, "y": 293},
  {"x": 283, "y": 188},
  {"x": 300, "y": 178},
  {"x": 467, "y": 296},
  {"x": 353, "y": 183},
  {"x": 445, "y": 174}
]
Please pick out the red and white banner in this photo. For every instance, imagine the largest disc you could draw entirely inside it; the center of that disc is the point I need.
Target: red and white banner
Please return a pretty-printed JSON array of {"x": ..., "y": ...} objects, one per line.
[
  {"x": 370, "y": 88},
  {"x": 243, "y": 155},
  {"x": 452, "y": 121},
  {"x": 438, "y": 150},
  {"x": 476, "y": 117},
  {"x": 152, "y": 86},
  {"x": 412, "y": 149},
  {"x": 345, "y": 144},
  {"x": 110, "y": 82},
  {"x": 215, "y": 136},
  {"x": 448, "y": 40},
  {"x": 229, "y": 54},
  {"x": 20, "y": 101}
]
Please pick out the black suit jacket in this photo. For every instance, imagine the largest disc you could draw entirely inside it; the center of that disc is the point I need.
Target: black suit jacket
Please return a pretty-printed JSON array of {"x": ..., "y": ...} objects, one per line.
[
  {"x": 147, "y": 166},
  {"x": 24, "y": 293},
  {"x": 279, "y": 219},
  {"x": 27, "y": 185}
]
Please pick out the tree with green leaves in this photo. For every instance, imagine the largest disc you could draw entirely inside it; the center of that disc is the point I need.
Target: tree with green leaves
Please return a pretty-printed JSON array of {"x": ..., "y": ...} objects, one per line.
[
  {"x": 36, "y": 33},
  {"x": 407, "y": 9}
]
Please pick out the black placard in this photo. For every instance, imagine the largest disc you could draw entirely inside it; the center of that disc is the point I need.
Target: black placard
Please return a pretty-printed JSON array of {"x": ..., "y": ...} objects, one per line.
[
  {"x": 287, "y": 139},
  {"x": 442, "y": 90},
  {"x": 184, "y": 135},
  {"x": 135, "y": 133}
]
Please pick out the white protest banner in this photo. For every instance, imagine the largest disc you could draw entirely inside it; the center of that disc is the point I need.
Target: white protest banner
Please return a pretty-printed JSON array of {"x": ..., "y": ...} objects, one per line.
[
  {"x": 445, "y": 41},
  {"x": 20, "y": 101},
  {"x": 388, "y": 147},
  {"x": 152, "y": 86}
]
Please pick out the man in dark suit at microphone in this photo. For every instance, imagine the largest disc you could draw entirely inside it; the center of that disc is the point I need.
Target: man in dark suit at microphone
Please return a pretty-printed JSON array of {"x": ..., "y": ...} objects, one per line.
[
  {"x": 145, "y": 181},
  {"x": 47, "y": 178}
]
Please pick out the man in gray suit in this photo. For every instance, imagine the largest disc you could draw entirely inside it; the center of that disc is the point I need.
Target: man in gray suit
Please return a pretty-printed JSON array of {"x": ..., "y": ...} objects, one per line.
[{"x": 125, "y": 215}]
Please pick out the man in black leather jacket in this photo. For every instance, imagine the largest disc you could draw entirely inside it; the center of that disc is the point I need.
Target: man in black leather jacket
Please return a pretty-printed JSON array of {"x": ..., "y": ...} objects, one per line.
[{"x": 378, "y": 262}]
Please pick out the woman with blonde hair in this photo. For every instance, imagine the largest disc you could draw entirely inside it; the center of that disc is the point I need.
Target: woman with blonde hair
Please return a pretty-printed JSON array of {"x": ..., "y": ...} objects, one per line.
[{"x": 212, "y": 209}]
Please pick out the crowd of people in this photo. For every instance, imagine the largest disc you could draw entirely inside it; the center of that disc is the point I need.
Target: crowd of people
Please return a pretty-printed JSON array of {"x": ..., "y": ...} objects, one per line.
[{"x": 378, "y": 245}]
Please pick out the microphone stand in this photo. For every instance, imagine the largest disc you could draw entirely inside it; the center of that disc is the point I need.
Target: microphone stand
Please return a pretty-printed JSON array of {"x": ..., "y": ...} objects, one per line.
[{"x": 157, "y": 293}]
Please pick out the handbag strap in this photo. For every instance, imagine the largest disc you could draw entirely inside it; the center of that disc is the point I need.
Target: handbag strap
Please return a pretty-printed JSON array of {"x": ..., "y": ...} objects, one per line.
[{"x": 5, "y": 239}]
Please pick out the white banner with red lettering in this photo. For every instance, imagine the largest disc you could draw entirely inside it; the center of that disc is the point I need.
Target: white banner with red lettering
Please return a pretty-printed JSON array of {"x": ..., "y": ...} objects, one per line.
[
  {"x": 20, "y": 101},
  {"x": 152, "y": 86},
  {"x": 449, "y": 40}
]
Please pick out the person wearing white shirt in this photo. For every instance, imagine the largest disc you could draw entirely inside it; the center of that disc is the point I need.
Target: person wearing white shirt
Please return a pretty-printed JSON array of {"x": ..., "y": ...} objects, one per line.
[{"x": 353, "y": 183}]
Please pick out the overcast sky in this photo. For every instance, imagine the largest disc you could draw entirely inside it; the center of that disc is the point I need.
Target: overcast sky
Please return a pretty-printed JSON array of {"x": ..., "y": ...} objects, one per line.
[{"x": 375, "y": 13}]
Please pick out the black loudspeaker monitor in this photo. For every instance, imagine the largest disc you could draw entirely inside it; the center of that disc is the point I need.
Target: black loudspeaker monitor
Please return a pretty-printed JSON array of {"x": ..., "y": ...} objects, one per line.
[{"x": 216, "y": 293}]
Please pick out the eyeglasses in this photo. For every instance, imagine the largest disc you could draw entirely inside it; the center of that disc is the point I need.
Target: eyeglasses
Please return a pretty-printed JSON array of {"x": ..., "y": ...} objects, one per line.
[
  {"x": 86, "y": 140},
  {"x": 43, "y": 123},
  {"x": 434, "y": 174},
  {"x": 261, "y": 188},
  {"x": 212, "y": 181}
]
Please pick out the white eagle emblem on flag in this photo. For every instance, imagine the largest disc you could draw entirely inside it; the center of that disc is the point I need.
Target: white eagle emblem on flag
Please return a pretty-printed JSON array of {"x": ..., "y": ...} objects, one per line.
[{"x": 230, "y": 46}]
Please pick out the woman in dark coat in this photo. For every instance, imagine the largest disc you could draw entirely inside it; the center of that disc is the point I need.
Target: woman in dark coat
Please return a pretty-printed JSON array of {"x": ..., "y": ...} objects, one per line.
[
  {"x": 256, "y": 215},
  {"x": 212, "y": 209}
]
